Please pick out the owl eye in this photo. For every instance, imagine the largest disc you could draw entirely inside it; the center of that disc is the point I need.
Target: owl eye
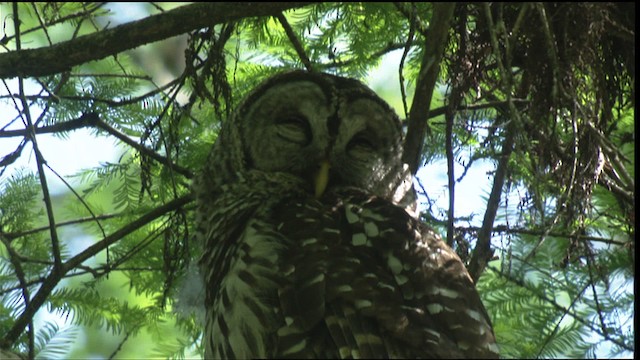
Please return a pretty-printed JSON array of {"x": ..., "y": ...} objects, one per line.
[
  {"x": 295, "y": 129},
  {"x": 361, "y": 145}
]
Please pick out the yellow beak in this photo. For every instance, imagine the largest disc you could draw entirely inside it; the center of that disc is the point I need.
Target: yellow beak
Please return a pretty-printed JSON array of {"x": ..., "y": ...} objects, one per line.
[{"x": 321, "y": 178}]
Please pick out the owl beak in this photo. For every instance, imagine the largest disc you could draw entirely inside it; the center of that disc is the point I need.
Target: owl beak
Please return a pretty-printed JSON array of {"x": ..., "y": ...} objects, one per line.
[{"x": 321, "y": 178}]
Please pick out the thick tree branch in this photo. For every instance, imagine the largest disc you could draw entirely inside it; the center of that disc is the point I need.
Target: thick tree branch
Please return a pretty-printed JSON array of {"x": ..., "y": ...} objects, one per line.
[
  {"x": 63, "y": 56},
  {"x": 425, "y": 83}
]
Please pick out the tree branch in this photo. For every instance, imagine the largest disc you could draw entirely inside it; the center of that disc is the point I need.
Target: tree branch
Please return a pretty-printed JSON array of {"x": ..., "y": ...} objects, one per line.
[
  {"x": 54, "y": 277},
  {"x": 144, "y": 150},
  {"x": 552, "y": 302},
  {"x": 295, "y": 42},
  {"x": 55, "y": 248},
  {"x": 92, "y": 120},
  {"x": 40, "y": 161},
  {"x": 482, "y": 252},
  {"x": 15, "y": 235},
  {"x": 58, "y": 20},
  {"x": 85, "y": 120},
  {"x": 14, "y": 258},
  {"x": 510, "y": 230},
  {"x": 374, "y": 55},
  {"x": 63, "y": 56},
  {"x": 419, "y": 113},
  {"x": 451, "y": 183}
]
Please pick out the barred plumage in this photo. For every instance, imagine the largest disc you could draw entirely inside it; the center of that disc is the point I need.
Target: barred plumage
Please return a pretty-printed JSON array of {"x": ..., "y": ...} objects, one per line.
[{"x": 293, "y": 270}]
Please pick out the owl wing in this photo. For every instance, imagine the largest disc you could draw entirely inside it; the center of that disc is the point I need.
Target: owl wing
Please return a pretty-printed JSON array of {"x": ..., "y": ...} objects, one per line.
[
  {"x": 363, "y": 279},
  {"x": 239, "y": 265}
]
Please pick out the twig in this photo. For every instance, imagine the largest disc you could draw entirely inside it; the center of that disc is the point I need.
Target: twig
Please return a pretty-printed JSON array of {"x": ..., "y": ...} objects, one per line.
[
  {"x": 55, "y": 243},
  {"x": 85, "y": 120},
  {"x": 126, "y": 230},
  {"x": 58, "y": 20},
  {"x": 610, "y": 183},
  {"x": 376, "y": 54},
  {"x": 297, "y": 45},
  {"x": 115, "y": 352},
  {"x": 54, "y": 277},
  {"x": 14, "y": 258},
  {"x": 75, "y": 193},
  {"x": 114, "y": 75},
  {"x": 508, "y": 230},
  {"x": 92, "y": 119},
  {"x": 96, "y": 272},
  {"x": 405, "y": 52},
  {"x": 552, "y": 51},
  {"x": 13, "y": 156},
  {"x": 413, "y": 17},
  {"x": 453, "y": 101},
  {"x": 142, "y": 149},
  {"x": 151, "y": 237},
  {"x": 557, "y": 326},
  {"x": 45, "y": 190},
  {"x": 109, "y": 102},
  {"x": 42, "y": 25},
  {"x": 16, "y": 235},
  {"x": 615, "y": 157},
  {"x": 559, "y": 307},
  {"x": 590, "y": 265}
]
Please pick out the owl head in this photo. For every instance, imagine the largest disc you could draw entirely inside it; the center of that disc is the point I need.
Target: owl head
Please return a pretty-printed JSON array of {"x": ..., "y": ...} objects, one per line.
[{"x": 328, "y": 131}]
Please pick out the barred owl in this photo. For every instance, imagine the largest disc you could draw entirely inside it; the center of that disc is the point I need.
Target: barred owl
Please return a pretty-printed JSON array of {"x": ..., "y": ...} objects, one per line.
[{"x": 307, "y": 248}]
